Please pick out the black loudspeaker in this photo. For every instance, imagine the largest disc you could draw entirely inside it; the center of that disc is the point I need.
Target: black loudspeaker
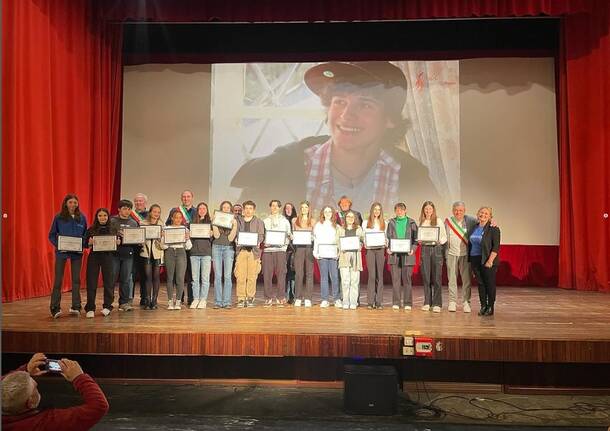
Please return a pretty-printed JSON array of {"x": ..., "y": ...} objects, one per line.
[{"x": 370, "y": 390}]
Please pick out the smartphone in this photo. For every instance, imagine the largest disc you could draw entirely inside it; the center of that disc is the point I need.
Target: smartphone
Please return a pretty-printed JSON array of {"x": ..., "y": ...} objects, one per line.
[{"x": 52, "y": 366}]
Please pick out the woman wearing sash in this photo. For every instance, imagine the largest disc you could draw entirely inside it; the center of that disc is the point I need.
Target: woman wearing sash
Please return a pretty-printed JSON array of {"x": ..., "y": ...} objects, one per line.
[
  {"x": 325, "y": 234},
  {"x": 483, "y": 249},
  {"x": 375, "y": 257},
  {"x": 432, "y": 259},
  {"x": 223, "y": 255},
  {"x": 303, "y": 258},
  {"x": 401, "y": 264},
  {"x": 152, "y": 255}
]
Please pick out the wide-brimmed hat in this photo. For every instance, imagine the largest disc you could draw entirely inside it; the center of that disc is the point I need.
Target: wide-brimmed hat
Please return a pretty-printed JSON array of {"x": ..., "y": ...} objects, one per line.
[{"x": 360, "y": 73}]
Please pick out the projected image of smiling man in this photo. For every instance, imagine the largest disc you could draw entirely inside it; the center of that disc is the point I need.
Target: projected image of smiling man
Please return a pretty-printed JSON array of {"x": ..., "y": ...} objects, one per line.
[{"x": 362, "y": 158}]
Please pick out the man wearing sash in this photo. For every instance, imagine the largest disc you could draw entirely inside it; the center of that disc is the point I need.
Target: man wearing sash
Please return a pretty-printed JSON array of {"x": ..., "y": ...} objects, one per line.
[
  {"x": 139, "y": 214},
  {"x": 457, "y": 254},
  {"x": 188, "y": 214}
]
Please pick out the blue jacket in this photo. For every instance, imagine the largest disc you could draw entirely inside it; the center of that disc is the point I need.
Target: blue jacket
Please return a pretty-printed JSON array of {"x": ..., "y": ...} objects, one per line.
[{"x": 70, "y": 227}]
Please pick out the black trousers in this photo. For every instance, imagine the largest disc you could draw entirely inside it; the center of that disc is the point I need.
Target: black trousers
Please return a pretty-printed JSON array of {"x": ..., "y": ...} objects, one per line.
[
  {"x": 431, "y": 259},
  {"x": 375, "y": 262},
  {"x": 60, "y": 264},
  {"x": 100, "y": 261},
  {"x": 486, "y": 278}
]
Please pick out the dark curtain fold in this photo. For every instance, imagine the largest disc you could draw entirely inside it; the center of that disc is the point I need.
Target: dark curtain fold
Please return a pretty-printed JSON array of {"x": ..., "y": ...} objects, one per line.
[
  {"x": 60, "y": 109},
  {"x": 61, "y": 64}
]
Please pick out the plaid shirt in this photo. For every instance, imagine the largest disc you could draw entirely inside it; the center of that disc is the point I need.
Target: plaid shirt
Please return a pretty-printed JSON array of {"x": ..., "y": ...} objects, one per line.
[{"x": 320, "y": 187}]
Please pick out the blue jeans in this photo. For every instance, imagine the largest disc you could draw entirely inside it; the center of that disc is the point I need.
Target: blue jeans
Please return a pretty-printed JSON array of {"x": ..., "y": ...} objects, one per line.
[
  {"x": 328, "y": 267},
  {"x": 200, "y": 269},
  {"x": 223, "y": 255}
]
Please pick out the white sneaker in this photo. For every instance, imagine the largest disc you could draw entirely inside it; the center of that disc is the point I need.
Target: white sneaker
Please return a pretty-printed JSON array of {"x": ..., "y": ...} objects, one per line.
[
  {"x": 90, "y": 314},
  {"x": 425, "y": 308},
  {"x": 170, "y": 304},
  {"x": 346, "y": 306},
  {"x": 202, "y": 304},
  {"x": 395, "y": 307},
  {"x": 194, "y": 304},
  {"x": 407, "y": 308},
  {"x": 338, "y": 303},
  {"x": 467, "y": 307},
  {"x": 307, "y": 303},
  {"x": 75, "y": 312},
  {"x": 177, "y": 305},
  {"x": 452, "y": 306},
  {"x": 105, "y": 312},
  {"x": 353, "y": 307},
  {"x": 57, "y": 315},
  {"x": 436, "y": 309},
  {"x": 297, "y": 303},
  {"x": 324, "y": 304}
]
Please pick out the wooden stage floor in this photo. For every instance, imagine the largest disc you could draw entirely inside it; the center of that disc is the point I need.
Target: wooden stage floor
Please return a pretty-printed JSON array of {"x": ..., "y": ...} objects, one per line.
[{"x": 531, "y": 325}]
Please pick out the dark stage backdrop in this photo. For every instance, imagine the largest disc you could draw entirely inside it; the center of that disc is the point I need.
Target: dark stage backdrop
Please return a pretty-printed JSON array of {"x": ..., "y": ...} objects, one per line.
[{"x": 61, "y": 65}]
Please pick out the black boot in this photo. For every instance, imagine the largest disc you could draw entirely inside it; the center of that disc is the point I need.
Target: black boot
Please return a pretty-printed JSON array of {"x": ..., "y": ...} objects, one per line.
[{"x": 490, "y": 310}]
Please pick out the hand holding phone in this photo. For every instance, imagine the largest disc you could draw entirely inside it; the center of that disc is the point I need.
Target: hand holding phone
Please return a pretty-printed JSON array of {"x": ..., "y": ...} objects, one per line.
[{"x": 53, "y": 366}]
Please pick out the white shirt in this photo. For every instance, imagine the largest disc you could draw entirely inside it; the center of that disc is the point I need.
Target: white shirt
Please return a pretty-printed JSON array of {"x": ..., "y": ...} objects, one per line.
[{"x": 457, "y": 247}]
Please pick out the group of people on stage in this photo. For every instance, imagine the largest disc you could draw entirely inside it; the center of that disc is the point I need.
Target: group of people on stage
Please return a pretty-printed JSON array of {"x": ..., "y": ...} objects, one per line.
[{"x": 285, "y": 244}]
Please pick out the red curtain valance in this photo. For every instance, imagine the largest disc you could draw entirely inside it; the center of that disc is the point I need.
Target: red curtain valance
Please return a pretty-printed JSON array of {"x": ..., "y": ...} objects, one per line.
[{"x": 331, "y": 10}]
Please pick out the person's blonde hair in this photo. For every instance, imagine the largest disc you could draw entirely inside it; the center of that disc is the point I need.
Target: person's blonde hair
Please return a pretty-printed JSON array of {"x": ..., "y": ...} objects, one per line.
[
  {"x": 491, "y": 213},
  {"x": 422, "y": 216},
  {"x": 333, "y": 218},
  {"x": 17, "y": 388}
]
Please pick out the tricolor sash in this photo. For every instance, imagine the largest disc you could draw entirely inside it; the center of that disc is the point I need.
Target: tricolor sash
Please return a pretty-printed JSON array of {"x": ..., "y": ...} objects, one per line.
[
  {"x": 134, "y": 215},
  {"x": 457, "y": 229},
  {"x": 185, "y": 214}
]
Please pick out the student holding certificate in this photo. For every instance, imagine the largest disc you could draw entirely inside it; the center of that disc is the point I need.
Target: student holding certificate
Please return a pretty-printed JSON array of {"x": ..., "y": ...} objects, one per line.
[
  {"x": 123, "y": 260},
  {"x": 67, "y": 226},
  {"x": 325, "y": 251},
  {"x": 175, "y": 262},
  {"x": 248, "y": 262},
  {"x": 375, "y": 256},
  {"x": 152, "y": 256},
  {"x": 100, "y": 261},
  {"x": 201, "y": 260},
  {"x": 402, "y": 236},
  {"x": 303, "y": 257},
  {"x": 350, "y": 262},
  {"x": 274, "y": 255},
  {"x": 431, "y": 256},
  {"x": 290, "y": 213},
  {"x": 223, "y": 255},
  {"x": 483, "y": 249}
]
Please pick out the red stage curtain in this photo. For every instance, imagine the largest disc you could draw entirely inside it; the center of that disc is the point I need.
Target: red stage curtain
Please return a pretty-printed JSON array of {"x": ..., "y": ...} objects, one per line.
[
  {"x": 584, "y": 118},
  {"x": 61, "y": 89}
]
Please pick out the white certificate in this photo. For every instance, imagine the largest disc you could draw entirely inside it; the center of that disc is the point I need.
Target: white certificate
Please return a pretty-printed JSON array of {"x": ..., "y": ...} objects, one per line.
[
  {"x": 247, "y": 239},
  {"x": 327, "y": 251},
  {"x": 104, "y": 243},
  {"x": 428, "y": 233},
  {"x": 301, "y": 237},
  {"x": 134, "y": 235},
  {"x": 374, "y": 239},
  {"x": 200, "y": 230},
  {"x": 70, "y": 243},
  {"x": 275, "y": 238},
  {"x": 174, "y": 235},
  {"x": 153, "y": 231},
  {"x": 349, "y": 243},
  {"x": 223, "y": 219},
  {"x": 400, "y": 245}
]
